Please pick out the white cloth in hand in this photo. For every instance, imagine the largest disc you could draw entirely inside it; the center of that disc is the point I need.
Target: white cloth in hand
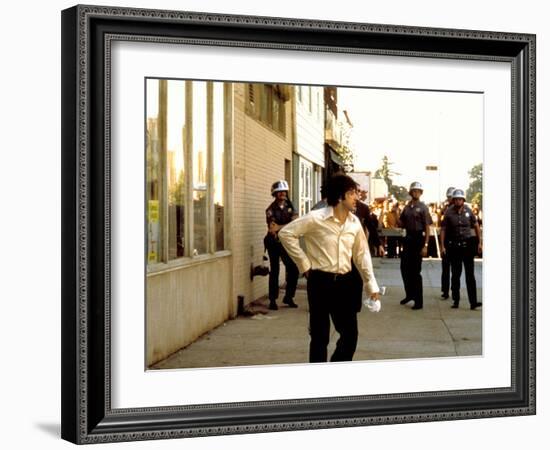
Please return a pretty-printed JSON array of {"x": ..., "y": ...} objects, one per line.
[{"x": 372, "y": 305}]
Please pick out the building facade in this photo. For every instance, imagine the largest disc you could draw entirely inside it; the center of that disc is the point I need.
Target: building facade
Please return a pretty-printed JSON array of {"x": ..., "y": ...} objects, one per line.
[
  {"x": 309, "y": 155},
  {"x": 212, "y": 150}
]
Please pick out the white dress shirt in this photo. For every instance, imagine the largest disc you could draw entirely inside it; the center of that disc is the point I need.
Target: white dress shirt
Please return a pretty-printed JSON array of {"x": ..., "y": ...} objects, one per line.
[{"x": 330, "y": 245}]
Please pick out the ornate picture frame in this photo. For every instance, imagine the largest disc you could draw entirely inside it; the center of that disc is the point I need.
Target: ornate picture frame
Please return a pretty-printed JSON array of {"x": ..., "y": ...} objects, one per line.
[{"x": 88, "y": 33}]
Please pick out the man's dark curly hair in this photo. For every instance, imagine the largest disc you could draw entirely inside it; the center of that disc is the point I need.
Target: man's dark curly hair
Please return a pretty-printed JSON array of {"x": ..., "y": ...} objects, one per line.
[{"x": 337, "y": 186}]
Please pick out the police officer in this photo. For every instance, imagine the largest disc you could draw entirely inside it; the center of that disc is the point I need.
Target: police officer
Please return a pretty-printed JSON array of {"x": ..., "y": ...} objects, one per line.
[
  {"x": 277, "y": 215},
  {"x": 416, "y": 220},
  {"x": 369, "y": 223},
  {"x": 460, "y": 246},
  {"x": 445, "y": 265}
]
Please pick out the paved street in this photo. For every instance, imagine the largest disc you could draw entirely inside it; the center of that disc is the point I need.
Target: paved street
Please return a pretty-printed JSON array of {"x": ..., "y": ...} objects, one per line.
[{"x": 396, "y": 332}]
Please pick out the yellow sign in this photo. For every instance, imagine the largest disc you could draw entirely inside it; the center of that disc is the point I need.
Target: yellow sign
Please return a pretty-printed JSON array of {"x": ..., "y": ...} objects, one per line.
[
  {"x": 153, "y": 230},
  {"x": 153, "y": 211}
]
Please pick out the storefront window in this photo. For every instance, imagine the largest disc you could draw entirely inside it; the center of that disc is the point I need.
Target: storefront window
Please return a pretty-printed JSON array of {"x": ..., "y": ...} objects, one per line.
[
  {"x": 185, "y": 208},
  {"x": 154, "y": 177},
  {"x": 175, "y": 125}
]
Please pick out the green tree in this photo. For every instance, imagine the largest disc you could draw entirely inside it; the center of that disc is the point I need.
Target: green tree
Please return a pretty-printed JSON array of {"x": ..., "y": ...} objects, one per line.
[
  {"x": 176, "y": 194},
  {"x": 474, "y": 193},
  {"x": 386, "y": 173}
]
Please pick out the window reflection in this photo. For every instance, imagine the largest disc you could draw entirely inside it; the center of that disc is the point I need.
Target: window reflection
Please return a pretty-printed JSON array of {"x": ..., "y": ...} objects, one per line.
[
  {"x": 219, "y": 154},
  {"x": 175, "y": 121},
  {"x": 200, "y": 161},
  {"x": 154, "y": 178},
  {"x": 174, "y": 194}
]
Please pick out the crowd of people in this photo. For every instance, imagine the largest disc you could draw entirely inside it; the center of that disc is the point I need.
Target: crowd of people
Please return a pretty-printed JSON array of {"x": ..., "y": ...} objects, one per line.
[
  {"x": 385, "y": 215},
  {"x": 332, "y": 247}
]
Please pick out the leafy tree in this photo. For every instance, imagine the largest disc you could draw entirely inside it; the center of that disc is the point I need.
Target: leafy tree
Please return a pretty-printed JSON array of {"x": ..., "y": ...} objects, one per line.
[
  {"x": 176, "y": 194},
  {"x": 386, "y": 173},
  {"x": 474, "y": 193},
  {"x": 348, "y": 158}
]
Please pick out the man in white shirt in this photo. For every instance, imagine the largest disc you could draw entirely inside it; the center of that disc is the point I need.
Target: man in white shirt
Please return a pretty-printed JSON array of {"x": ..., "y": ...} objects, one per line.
[{"x": 333, "y": 236}]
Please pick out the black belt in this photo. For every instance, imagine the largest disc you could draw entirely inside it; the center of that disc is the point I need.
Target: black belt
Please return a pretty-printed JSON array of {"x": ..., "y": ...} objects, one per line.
[
  {"x": 460, "y": 243},
  {"x": 331, "y": 275}
]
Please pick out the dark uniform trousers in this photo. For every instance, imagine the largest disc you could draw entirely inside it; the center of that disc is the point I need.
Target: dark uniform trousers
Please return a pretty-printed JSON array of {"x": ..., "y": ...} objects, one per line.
[
  {"x": 275, "y": 250},
  {"x": 445, "y": 272},
  {"x": 411, "y": 266},
  {"x": 393, "y": 244},
  {"x": 459, "y": 253},
  {"x": 333, "y": 297}
]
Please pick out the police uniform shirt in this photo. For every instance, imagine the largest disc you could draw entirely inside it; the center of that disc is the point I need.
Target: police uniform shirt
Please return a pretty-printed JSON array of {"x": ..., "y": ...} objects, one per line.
[
  {"x": 415, "y": 217},
  {"x": 281, "y": 216},
  {"x": 458, "y": 224}
]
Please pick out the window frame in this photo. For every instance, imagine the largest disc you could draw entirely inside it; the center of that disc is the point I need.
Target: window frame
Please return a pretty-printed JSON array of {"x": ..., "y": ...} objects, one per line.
[
  {"x": 260, "y": 98},
  {"x": 305, "y": 177},
  {"x": 189, "y": 259}
]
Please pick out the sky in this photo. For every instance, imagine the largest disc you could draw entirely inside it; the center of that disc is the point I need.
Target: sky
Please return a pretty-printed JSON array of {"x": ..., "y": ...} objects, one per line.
[{"x": 416, "y": 129}]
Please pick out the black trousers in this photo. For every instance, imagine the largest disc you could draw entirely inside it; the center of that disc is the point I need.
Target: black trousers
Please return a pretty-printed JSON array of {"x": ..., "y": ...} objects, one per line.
[
  {"x": 357, "y": 282},
  {"x": 393, "y": 243},
  {"x": 411, "y": 267},
  {"x": 445, "y": 273},
  {"x": 462, "y": 253},
  {"x": 277, "y": 252},
  {"x": 331, "y": 297}
]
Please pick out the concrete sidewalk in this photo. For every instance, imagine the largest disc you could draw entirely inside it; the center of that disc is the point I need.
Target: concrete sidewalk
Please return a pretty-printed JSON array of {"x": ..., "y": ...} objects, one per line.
[{"x": 396, "y": 332}]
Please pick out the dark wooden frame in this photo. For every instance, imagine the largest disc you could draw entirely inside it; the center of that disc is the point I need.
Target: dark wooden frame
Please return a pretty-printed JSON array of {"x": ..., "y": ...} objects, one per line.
[{"x": 87, "y": 416}]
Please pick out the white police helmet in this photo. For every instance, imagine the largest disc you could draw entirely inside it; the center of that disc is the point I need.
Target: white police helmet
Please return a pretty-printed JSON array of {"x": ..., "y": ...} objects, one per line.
[
  {"x": 450, "y": 191},
  {"x": 459, "y": 193},
  {"x": 416, "y": 185},
  {"x": 279, "y": 186}
]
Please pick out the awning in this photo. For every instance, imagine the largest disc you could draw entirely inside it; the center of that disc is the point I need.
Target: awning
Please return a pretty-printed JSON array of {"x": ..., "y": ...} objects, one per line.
[{"x": 336, "y": 158}]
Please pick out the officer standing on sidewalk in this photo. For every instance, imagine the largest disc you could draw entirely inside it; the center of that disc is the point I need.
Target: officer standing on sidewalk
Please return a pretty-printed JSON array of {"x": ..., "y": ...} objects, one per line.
[
  {"x": 278, "y": 214},
  {"x": 333, "y": 237},
  {"x": 416, "y": 220},
  {"x": 445, "y": 265},
  {"x": 461, "y": 246}
]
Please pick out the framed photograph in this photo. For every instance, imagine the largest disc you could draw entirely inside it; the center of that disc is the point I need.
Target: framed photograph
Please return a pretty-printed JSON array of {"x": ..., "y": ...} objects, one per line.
[{"x": 195, "y": 149}]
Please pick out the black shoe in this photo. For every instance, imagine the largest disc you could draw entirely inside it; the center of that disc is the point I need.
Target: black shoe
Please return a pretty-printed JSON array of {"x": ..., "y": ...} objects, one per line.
[
  {"x": 405, "y": 301},
  {"x": 455, "y": 305},
  {"x": 475, "y": 305},
  {"x": 273, "y": 305},
  {"x": 415, "y": 307},
  {"x": 290, "y": 303},
  {"x": 444, "y": 296}
]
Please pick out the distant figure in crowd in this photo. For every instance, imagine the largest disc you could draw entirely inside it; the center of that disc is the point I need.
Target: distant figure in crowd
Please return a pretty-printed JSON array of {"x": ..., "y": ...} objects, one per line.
[
  {"x": 432, "y": 242},
  {"x": 370, "y": 228},
  {"x": 333, "y": 237},
  {"x": 390, "y": 222},
  {"x": 278, "y": 214},
  {"x": 477, "y": 214},
  {"x": 369, "y": 222},
  {"x": 323, "y": 202},
  {"x": 416, "y": 220},
  {"x": 460, "y": 245},
  {"x": 445, "y": 264}
]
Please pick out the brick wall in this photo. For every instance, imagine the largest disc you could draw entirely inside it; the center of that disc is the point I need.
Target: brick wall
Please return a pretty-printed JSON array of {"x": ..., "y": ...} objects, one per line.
[{"x": 259, "y": 160}]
